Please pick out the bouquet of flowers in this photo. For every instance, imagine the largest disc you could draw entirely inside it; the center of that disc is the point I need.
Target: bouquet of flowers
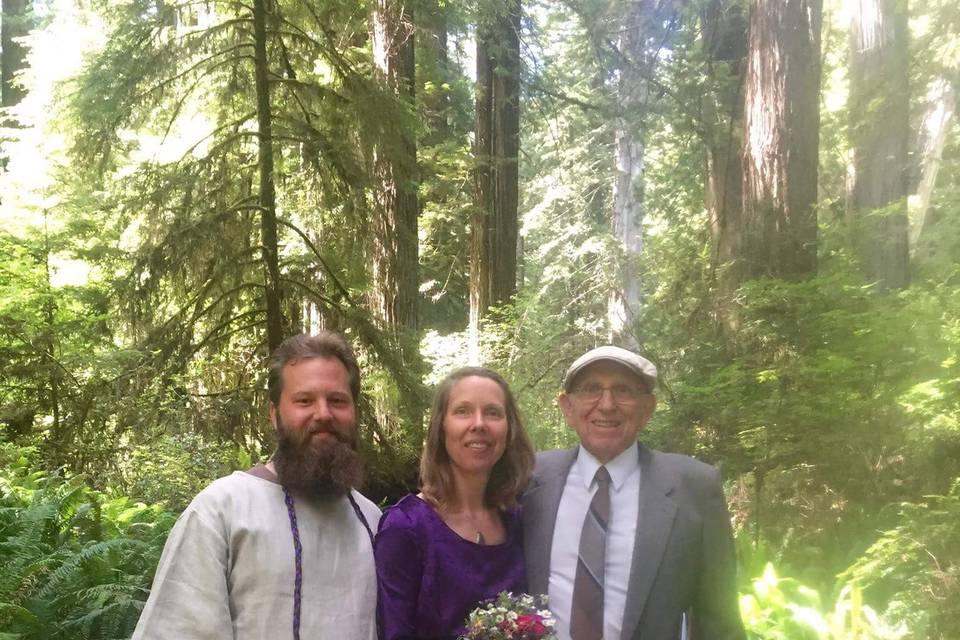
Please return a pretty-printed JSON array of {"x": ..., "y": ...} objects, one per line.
[{"x": 510, "y": 617}]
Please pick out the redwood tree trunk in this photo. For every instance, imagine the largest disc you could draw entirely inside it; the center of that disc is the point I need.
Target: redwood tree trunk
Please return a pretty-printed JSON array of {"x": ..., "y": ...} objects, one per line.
[
  {"x": 493, "y": 256},
  {"x": 782, "y": 121},
  {"x": 395, "y": 290},
  {"x": 724, "y": 28},
  {"x": 268, "y": 196},
  {"x": 395, "y": 250},
  {"x": 879, "y": 132}
]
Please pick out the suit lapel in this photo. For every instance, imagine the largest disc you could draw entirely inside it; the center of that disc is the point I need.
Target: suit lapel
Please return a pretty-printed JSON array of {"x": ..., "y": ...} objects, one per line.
[
  {"x": 656, "y": 515},
  {"x": 540, "y": 504}
]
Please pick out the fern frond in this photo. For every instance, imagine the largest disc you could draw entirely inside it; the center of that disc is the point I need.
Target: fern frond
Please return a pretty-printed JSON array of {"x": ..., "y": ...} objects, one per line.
[{"x": 75, "y": 564}]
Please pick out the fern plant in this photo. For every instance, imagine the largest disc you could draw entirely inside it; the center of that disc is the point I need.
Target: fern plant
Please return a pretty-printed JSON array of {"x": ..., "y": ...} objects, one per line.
[
  {"x": 77, "y": 562},
  {"x": 915, "y": 565}
]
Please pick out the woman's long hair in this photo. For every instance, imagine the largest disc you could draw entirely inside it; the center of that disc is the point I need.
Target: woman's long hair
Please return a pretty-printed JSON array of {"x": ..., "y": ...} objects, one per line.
[{"x": 510, "y": 473}]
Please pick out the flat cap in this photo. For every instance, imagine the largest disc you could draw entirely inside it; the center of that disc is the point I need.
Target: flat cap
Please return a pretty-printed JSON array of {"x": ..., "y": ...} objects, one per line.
[{"x": 635, "y": 362}]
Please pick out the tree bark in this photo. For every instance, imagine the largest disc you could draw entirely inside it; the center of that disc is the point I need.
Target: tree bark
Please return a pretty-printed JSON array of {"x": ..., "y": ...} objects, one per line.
[
  {"x": 782, "y": 121},
  {"x": 268, "y": 196},
  {"x": 638, "y": 44},
  {"x": 879, "y": 131},
  {"x": 494, "y": 229},
  {"x": 724, "y": 29},
  {"x": 14, "y": 24},
  {"x": 395, "y": 242},
  {"x": 395, "y": 250},
  {"x": 939, "y": 117}
]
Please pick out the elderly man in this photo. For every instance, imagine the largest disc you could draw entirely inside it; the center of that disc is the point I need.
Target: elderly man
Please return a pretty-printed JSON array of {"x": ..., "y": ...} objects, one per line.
[
  {"x": 627, "y": 541},
  {"x": 287, "y": 546}
]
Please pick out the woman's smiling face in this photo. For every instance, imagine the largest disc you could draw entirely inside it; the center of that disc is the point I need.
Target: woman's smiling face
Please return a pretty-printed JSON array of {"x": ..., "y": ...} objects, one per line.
[{"x": 475, "y": 425}]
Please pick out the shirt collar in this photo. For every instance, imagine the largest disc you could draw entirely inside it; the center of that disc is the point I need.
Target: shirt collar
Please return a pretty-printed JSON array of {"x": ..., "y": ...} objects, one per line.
[{"x": 620, "y": 468}]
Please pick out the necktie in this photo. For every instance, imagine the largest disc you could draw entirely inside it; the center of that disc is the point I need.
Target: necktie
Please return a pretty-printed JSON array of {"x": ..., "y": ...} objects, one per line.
[{"x": 586, "y": 615}]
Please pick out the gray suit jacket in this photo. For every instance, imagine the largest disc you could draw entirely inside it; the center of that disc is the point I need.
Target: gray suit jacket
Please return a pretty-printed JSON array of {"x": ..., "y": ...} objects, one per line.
[{"x": 683, "y": 557}]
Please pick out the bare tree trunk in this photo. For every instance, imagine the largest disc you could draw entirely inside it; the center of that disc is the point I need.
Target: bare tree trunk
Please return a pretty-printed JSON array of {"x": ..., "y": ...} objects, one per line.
[
  {"x": 395, "y": 243},
  {"x": 724, "y": 29},
  {"x": 494, "y": 229},
  {"x": 627, "y": 219},
  {"x": 782, "y": 121},
  {"x": 939, "y": 117},
  {"x": 879, "y": 131},
  {"x": 268, "y": 196},
  {"x": 395, "y": 250}
]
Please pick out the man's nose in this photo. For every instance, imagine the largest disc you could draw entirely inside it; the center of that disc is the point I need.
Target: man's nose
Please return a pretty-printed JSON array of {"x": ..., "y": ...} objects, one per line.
[
  {"x": 606, "y": 400},
  {"x": 321, "y": 410}
]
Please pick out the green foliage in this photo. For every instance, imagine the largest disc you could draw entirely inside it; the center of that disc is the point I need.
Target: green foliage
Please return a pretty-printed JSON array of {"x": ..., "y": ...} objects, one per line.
[
  {"x": 173, "y": 469},
  {"x": 783, "y": 609},
  {"x": 914, "y": 566},
  {"x": 812, "y": 403},
  {"x": 131, "y": 290},
  {"x": 77, "y": 563}
]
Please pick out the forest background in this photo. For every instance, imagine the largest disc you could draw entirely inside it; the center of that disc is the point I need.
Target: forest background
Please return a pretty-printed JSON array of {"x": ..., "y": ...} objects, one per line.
[{"x": 762, "y": 196}]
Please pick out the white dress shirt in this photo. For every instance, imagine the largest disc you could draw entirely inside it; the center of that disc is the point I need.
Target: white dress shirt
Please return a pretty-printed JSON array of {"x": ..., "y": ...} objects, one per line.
[{"x": 624, "y": 507}]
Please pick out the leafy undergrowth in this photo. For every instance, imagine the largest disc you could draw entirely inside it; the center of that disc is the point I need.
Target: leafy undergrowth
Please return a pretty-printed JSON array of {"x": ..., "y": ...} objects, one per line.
[{"x": 77, "y": 563}]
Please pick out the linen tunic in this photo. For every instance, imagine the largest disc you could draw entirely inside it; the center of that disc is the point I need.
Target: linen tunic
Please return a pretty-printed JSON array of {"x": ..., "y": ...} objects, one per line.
[
  {"x": 227, "y": 570},
  {"x": 431, "y": 578}
]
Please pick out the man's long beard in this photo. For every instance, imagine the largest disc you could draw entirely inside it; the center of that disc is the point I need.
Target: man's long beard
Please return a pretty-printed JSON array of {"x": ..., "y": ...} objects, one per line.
[{"x": 326, "y": 468}]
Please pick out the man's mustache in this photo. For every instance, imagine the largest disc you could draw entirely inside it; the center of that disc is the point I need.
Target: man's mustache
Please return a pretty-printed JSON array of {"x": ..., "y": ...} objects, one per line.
[{"x": 317, "y": 428}]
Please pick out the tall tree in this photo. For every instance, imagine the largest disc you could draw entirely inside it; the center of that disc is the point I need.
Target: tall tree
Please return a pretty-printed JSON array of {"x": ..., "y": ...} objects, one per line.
[
  {"x": 879, "y": 133},
  {"x": 494, "y": 228},
  {"x": 395, "y": 272},
  {"x": 14, "y": 24},
  {"x": 781, "y": 120},
  {"x": 205, "y": 258},
  {"x": 394, "y": 241},
  {"x": 268, "y": 193},
  {"x": 724, "y": 33},
  {"x": 637, "y": 45}
]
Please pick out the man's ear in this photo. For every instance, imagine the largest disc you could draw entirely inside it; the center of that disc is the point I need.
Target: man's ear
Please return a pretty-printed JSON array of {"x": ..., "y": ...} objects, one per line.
[
  {"x": 273, "y": 415},
  {"x": 566, "y": 405},
  {"x": 648, "y": 404}
]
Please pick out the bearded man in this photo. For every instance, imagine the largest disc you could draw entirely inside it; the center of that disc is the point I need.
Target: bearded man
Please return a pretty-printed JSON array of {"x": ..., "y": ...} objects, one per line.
[{"x": 286, "y": 546}]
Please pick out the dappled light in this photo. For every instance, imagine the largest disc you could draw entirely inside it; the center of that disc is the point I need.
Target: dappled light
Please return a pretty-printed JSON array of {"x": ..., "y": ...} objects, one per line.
[{"x": 762, "y": 198}]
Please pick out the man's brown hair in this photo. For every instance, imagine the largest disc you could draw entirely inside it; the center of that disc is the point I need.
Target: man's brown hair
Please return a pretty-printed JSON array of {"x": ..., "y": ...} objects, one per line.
[{"x": 325, "y": 344}]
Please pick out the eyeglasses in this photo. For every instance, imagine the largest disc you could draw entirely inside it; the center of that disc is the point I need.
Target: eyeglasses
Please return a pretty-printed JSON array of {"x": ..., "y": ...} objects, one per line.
[{"x": 621, "y": 393}]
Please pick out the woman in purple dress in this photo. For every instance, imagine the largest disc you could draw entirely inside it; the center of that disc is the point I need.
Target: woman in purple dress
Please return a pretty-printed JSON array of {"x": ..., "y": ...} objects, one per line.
[{"x": 458, "y": 542}]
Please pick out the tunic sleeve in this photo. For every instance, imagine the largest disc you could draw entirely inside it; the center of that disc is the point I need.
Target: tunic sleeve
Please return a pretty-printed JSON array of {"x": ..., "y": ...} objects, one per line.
[
  {"x": 189, "y": 597},
  {"x": 399, "y": 560}
]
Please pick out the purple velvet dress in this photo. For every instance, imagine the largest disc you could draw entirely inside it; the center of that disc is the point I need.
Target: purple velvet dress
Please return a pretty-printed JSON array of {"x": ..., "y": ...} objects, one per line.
[{"x": 431, "y": 578}]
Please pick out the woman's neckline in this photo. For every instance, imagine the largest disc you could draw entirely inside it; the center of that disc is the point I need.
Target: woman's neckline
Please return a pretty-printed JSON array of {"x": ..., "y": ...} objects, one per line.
[{"x": 452, "y": 532}]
